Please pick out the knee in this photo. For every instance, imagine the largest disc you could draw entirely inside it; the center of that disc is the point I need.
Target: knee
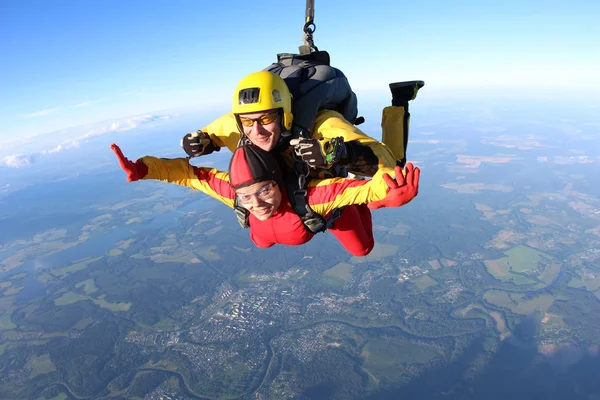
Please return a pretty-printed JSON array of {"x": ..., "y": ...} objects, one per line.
[{"x": 363, "y": 251}]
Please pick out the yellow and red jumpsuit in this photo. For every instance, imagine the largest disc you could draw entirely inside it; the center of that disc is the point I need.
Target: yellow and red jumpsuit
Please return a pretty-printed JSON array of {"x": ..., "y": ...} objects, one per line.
[{"x": 353, "y": 229}]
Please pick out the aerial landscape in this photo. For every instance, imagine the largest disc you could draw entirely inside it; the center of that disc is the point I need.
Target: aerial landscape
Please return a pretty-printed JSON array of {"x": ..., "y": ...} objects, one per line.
[
  {"x": 147, "y": 291},
  {"x": 116, "y": 285}
]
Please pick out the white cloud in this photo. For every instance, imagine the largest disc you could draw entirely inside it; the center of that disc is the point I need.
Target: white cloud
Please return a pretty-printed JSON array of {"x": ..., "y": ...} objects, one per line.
[
  {"x": 41, "y": 113},
  {"x": 19, "y": 160},
  {"x": 126, "y": 124}
]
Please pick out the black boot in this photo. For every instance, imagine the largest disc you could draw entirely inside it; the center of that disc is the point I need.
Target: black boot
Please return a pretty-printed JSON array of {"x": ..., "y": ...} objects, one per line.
[{"x": 403, "y": 92}]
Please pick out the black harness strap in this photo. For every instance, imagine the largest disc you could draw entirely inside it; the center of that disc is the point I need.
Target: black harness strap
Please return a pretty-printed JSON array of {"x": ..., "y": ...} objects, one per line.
[
  {"x": 295, "y": 186},
  {"x": 241, "y": 214}
]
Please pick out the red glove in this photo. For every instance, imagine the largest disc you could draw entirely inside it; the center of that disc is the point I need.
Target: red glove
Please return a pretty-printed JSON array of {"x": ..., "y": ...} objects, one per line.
[
  {"x": 135, "y": 170},
  {"x": 402, "y": 190}
]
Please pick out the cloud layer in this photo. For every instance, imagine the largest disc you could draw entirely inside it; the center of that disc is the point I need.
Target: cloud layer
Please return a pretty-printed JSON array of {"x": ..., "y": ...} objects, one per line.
[{"x": 24, "y": 160}]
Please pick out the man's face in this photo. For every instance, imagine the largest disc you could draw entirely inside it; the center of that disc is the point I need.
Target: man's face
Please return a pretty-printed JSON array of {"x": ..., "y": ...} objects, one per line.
[
  {"x": 262, "y": 199},
  {"x": 262, "y": 128}
]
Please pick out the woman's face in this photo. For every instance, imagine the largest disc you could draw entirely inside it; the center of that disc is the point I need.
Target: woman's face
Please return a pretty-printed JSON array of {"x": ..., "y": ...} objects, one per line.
[{"x": 262, "y": 199}]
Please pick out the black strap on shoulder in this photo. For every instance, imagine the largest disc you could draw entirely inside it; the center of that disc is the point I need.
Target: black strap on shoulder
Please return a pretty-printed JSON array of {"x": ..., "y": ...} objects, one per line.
[
  {"x": 241, "y": 214},
  {"x": 295, "y": 185}
]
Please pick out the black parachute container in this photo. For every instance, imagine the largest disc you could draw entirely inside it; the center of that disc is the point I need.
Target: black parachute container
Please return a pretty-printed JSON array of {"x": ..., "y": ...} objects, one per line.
[{"x": 313, "y": 82}]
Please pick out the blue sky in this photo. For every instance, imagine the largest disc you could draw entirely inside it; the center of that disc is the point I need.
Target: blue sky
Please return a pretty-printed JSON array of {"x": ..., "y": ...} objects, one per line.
[{"x": 68, "y": 63}]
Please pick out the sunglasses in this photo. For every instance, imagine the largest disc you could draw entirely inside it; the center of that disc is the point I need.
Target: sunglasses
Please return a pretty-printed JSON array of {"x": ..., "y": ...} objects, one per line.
[
  {"x": 264, "y": 193},
  {"x": 262, "y": 120}
]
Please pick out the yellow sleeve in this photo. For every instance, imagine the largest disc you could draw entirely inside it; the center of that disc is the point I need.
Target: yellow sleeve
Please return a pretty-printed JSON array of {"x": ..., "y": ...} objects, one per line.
[
  {"x": 224, "y": 131},
  {"x": 331, "y": 124},
  {"x": 179, "y": 171},
  {"x": 325, "y": 195}
]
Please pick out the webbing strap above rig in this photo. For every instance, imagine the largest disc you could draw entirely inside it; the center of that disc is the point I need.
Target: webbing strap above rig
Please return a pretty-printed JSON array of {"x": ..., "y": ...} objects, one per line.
[{"x": 309, "y": 28}]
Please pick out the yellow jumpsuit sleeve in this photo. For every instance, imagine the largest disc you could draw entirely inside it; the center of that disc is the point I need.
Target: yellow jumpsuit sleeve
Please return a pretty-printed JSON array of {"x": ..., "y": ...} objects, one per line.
[
  {"x": 179, "y": 171},
  {"x": 331, "y": 124},
  {"x": 224, "y": 131},
  {"x": 325, "y": 195}
]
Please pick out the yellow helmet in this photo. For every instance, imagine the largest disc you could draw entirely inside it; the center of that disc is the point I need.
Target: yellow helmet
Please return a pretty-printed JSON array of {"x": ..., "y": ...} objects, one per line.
[{"x": 262, "y": 91}]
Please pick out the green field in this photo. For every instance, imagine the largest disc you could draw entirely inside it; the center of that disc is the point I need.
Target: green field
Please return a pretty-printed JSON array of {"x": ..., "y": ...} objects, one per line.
[
  {"x": 62, "y": 272},
  {"x": 447, "y": 263},
  {"x": 69, "y": 298},
  {"x": 423, "y": 282},
  {"x": 165, "y": 324},
  {"x": 40, "y": 365},
  {"x": 5, "y": 322},
  {"x": 88, "y": 286},
  {"x": 111, "y": 306},
  {"x": 517, "y": 302},
  {"x": 550, "y": 274},
  {"x": 2, "y": 347},
  {"x": 72, "y": 297},
  {"x": 61, "y": 396},
  {"x": 519, "y": 260},
  {"x": 380, "y": 251},
  {"x": 522, "y": 258},
  {"x": 82, "y": 324},
  {"x": 12, "y": 290},
  {"x": 208, "y": 253},
  {"x": 589, "y": 284},
  {"x": 521, "y": 280},
  {"x": 385, "y": 358},
  {"x": 178, "y": 257},
  {"x": 342, "y": 271},
  {"x": 214, "y": 230},
  {"x": 400, "y": 229}
]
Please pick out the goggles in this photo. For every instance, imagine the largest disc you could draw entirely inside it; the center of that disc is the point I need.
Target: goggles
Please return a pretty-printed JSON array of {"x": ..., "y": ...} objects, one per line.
[
  {"x": 264, "y": 193},
  {"x": 262, "y": 120}
]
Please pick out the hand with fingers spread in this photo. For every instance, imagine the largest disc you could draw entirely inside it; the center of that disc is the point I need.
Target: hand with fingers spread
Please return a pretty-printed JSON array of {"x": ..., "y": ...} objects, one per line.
[
  {"x": 135, "y": 170},
  {"x": 402, "y": 189}
]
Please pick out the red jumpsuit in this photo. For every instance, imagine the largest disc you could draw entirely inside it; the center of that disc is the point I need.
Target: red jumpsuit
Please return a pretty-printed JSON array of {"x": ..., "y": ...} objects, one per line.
[{"x": 353, "y": 229}]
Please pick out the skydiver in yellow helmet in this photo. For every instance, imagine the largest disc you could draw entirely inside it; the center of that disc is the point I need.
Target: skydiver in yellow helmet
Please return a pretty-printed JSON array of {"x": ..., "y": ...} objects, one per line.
[
  {"x": 262, "y": 114},
  {"x": 262, "y": 107}
]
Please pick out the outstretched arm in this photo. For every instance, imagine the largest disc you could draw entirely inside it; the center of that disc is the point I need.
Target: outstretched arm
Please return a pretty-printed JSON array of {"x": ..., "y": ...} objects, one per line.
[
  {"x": 401, "y": 190},
  {"x": 179, "y": 171},
  {"x": 134, "y": 170},
  {"x": 381, "y": 191}
]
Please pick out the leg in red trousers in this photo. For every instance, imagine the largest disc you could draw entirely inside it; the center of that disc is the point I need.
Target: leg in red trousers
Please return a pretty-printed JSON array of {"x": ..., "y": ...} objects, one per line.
[{"x": 354, "y": 230}]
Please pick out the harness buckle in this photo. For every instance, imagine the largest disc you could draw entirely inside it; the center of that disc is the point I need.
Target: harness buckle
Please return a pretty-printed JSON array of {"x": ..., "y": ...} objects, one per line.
[{"x": 301, "y": 183}]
